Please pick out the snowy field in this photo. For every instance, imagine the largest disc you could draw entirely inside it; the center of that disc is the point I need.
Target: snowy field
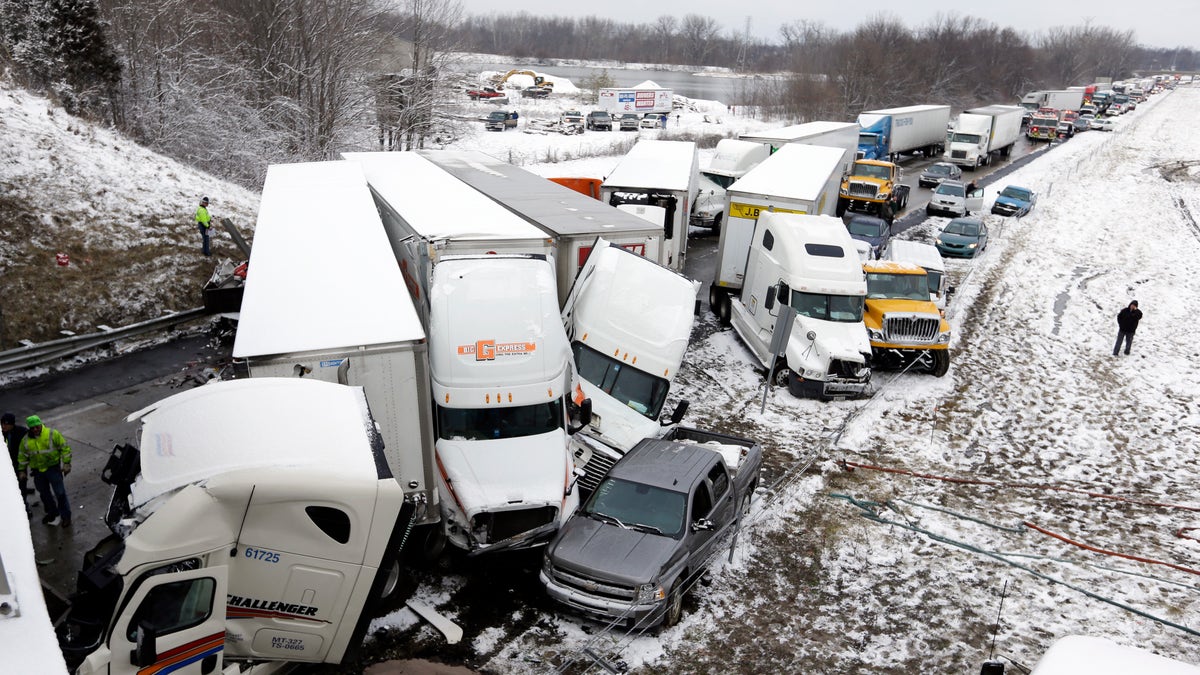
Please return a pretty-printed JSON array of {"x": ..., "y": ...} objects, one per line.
[{"x": 1036, "y": 436}]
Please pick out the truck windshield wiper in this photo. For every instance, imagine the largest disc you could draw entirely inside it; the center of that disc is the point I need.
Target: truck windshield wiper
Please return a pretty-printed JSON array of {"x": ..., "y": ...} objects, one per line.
[{"x": 606, "y": 518}]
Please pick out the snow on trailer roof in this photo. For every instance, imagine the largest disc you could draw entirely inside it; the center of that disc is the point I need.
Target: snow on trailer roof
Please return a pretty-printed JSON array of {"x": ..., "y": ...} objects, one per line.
[
  {"x": 797, "y": 131},
  {"x": 266, "y": 422},
  {"x": 436, "y": 204},
  {"x": 903, "y": 110},
  {"x": 795, "y": 171},
  {"x": 1099, "y": 656},
  {"x": 321, "y": 269},
  {"x": 655, "y": 164},
  {"x": 542, "y": 202}
]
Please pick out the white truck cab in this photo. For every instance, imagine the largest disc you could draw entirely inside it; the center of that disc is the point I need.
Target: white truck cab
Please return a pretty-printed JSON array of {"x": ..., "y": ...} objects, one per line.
[
  {"x": 256, "y": 522},
  {"x": 629, "y": 321},
  {"x": 809, "y": 263},
  {"x": 501, "y": 379},
  {"x": 732, "y": 160}
]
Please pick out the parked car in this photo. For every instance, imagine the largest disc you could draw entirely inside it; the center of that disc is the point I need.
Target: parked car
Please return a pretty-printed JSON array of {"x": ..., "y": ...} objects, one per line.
[
  {"x": 599, "y": 120},
  {"x": 571, "y": 117},
  {"x": 962, "y": 238},
  {"x": 650, "y": 528},
  {"x": 535, "y": 92},
  {"x": 650, "y": 121},
  {"x": 871, "y": 230},
  {"x": 1014, "y": 200},
  {"x": 629, "y": 122},
  {"x": 500, "y": 120},
  {"x": 939, "y": 172},
  {"x": 1102, "y": 124},
  {"x": 951, "y": 197}
]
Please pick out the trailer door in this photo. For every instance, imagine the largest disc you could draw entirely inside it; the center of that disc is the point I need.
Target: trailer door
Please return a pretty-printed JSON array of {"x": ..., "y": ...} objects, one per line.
[{"x": 174, "y": 622}]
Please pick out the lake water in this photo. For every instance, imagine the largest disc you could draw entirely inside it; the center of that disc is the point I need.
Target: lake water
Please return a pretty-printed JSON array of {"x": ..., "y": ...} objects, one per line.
[{"x": 724, "y": 89}]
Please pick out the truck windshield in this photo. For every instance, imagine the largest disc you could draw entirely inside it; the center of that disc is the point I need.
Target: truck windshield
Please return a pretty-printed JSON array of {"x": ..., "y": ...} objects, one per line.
[
  {"x": 964, "y": 138},
  {"x": 723, "y": 181},
  {"x": 635, "y": 505},
  {"x": 635, "y": 388},
  {"x": 900, "y": 286},
  {"x": 497, "y": 116},
  {"x": 478, "y": 424},
  {"x": 845, "y": 308},
  {"x": 872, "y": 171},
  {"x": 935, "y": 281}
]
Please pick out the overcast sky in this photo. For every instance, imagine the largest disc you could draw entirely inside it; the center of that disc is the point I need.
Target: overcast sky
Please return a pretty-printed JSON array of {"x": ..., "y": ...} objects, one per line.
[{"x": 1158, "y": 23}]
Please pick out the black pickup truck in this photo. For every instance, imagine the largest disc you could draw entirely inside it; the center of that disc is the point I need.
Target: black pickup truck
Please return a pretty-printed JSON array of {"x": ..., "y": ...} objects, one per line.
[{"x": 651, "y": 526}]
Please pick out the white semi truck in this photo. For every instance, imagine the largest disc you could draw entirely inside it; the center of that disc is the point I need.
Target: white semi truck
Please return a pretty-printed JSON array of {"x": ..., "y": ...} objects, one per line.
[
  {"x": 502, "y": 376},
  {"x": 657, "y": 181},
  {"x": 429, "y": 214},
  {"x": 300, "y": 320},
  {"x": 808, "y": 263},
  {"x": 832, "y": 134},
  {"x": 572, "y": 219},
  {"x": 798, "y": 178},
  {"x": 267, "y": 537},
  {"x": 981, "y": 133},
  {"x": 629, "y": 321}
]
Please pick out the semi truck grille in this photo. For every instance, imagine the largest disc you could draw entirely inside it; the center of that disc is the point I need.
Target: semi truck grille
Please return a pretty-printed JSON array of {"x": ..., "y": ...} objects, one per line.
[
  {"x": 958, "y": 154},
  {"x": 504, "y": 524},
  {"x": 595, "y": 470},
  {"x": 859, "y": 189},
  {"x": 594, "y": 586},
  {"x": 910, "y": 328}
]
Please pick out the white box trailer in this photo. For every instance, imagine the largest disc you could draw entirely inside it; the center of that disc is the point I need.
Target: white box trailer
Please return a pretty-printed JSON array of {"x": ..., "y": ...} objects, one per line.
[
  {"x": 618, "y": 101},
  {"x": 798, "y": 178},
  {"x": 573, "y": 219},
  {"x": 429, "y": 214},
  {"x": 891, "y": 132},
  {"x": 1063, "y": 99},
  {"x": 658, "y": 181},
  {"x": 980, "y": 133},
  {"x": 833, "y": 134},
  {"x": 352, "y": 325}
]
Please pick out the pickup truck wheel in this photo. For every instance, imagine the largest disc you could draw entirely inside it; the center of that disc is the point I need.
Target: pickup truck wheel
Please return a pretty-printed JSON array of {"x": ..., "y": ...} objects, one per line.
[
  {"x": 674, "y": 603},
  {"x": 748, "y": 497},
  {"x": 941, "y": 362}
]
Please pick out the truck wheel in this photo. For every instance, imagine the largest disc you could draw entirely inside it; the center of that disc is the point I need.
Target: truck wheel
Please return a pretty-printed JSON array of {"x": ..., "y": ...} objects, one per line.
[
  {"x": 724, "y": 310},
  {"x": 717, "y": 223},
  {"x": 714, "y": 300},
  {"x": 842, "y": 204},
  {"x": 748, "y": 497},
  {"x": 941, "y": 362},
  {"x": 781, "y": 375},
  {"x": 674, "y": 602}
]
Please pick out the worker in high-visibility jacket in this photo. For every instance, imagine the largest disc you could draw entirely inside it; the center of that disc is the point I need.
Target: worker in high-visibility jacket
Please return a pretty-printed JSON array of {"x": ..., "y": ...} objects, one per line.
[
  {"x": 204, "y": 221},
  {"x": 45, "y": 454}
]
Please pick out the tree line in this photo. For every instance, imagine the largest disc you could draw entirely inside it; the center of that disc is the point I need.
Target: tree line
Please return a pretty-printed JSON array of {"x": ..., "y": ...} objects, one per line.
[{"x": 231, "y": 86}]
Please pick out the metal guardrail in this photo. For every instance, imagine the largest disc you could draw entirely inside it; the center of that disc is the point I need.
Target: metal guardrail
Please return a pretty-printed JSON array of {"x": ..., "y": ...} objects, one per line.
[{"x": 39, "y": 354}]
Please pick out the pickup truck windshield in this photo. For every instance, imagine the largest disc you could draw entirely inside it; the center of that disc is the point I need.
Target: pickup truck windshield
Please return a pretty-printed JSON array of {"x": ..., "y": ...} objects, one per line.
[
  {"x": 905, "y": 286},
  {"x": 638, "y": 506},
  {"x": 478, "y": 424},
  {"x": 847, "y": 308},
  {"x": 1015, "y": 193},
  {"x": 635, "y": 388}
]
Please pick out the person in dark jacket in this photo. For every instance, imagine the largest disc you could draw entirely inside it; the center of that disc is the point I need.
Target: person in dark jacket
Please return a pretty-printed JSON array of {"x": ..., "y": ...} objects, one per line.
[
  {"x": 1127, "y": 322},
  {"x": 13, "y": 433}
]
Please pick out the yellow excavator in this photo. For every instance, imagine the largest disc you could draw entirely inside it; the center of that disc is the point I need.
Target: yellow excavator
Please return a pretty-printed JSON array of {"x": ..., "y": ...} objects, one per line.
[{"x": 538, "y": 81}]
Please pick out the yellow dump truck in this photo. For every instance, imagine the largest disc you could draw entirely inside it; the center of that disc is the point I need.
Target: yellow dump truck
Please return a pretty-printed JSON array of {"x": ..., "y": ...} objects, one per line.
[{"x": 905, "y": 328}]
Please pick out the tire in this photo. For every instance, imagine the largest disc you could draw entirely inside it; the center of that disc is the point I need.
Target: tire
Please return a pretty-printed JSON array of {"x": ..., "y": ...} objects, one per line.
[
  {"x": 941, "y": 362},
  {"x": 842, "y": 205},
  {"x": 717, "y": 222},
  {"x": 781, "y": 375},
  {"x": 724, "y": 310},
  {"x": 748, "y": 497},
  {"x": 928, "y": 211},
  {"x": 674, "y": 603},
  {"x": 714, "y": 300}
]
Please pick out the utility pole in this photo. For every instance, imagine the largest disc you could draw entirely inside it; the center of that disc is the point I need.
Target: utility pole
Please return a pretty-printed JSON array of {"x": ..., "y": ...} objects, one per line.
[{"x": 743, "y": 47}]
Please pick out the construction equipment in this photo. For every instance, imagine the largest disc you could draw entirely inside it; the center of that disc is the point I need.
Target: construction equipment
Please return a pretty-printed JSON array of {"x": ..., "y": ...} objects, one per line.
[{"x": 538, "y": 80}]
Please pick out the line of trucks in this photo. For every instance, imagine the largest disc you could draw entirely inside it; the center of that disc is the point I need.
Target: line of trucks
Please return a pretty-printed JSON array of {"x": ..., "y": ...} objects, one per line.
[{"x": 452, "y": 385}]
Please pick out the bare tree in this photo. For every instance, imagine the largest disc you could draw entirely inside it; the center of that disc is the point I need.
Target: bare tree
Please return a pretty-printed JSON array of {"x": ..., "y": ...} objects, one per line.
[
  {"x": 698, "y": 34},
  {"x": 664, "y": 32}
]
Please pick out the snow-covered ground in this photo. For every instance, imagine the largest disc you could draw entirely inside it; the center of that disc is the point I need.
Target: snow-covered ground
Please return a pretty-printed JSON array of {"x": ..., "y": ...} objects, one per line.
[{"x": 868, "y": 571}]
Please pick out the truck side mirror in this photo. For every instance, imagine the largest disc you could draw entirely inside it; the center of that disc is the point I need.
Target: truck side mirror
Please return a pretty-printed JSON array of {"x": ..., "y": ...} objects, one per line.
[
  {"x": 144, "y": 652},
  {"x": 678, "y": 412},
  {"x": 584, "y": 416},
  {"x": 770, "y": 302},
  {"x": 702, "y": 524},
  {"x": 785, "y": 294}
]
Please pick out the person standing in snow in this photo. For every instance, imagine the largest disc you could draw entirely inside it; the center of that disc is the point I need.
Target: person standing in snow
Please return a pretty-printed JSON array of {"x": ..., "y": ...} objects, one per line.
[
  {"x": 46, "y": 453},
  {"x": 1127, "y": 323},
  {"x": 204, "y": 221}
]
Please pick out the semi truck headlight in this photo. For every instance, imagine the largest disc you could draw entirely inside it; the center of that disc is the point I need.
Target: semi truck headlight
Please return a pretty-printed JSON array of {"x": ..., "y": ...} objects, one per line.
[
  {"x": 944, "y": 338},
  {"x": 648, "y": 593}
]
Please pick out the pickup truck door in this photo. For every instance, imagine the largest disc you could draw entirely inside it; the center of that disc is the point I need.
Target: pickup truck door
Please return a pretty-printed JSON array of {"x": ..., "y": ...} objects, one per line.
[
  {"x": 174, "y": 622},
  {"x": 713, "y": 499}
]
